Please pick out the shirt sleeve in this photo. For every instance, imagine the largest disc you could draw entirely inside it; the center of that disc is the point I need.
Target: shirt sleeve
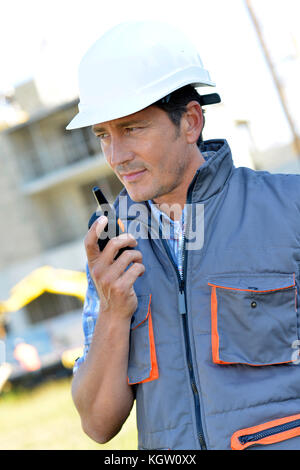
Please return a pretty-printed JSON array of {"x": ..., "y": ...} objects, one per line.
[{"x": 89, "y": 317}]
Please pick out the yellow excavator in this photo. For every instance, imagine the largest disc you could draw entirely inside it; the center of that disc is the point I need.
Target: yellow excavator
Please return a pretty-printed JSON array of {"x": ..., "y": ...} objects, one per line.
[
  {"x": 41, "y": 280},
  {"x": 45, "y": 279}
]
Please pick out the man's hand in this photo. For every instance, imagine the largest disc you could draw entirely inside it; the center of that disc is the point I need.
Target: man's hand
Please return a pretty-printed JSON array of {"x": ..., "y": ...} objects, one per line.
[{"x": 113, "y": 281}]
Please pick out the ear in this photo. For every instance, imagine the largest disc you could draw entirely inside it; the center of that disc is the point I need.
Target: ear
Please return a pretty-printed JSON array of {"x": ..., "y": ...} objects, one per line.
[{"x": 192, "y": 122}]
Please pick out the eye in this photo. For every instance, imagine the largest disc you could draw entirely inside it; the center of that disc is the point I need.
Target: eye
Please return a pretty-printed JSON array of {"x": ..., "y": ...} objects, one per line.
[
  {"x": 102, "y": 136},
  {"x": 133, "y": 129}
]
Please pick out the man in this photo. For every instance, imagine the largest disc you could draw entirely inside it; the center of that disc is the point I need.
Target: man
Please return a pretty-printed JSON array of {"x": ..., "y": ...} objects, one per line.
[{"x": 200, "y": 327}]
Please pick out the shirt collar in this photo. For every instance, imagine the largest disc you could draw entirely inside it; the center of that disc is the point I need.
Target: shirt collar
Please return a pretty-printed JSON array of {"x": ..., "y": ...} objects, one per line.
[{"x": 175, "y": 226}]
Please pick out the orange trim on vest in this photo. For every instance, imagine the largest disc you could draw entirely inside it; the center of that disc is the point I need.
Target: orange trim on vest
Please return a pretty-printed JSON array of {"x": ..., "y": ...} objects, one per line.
[
  {"x": 154, "y": 367},
  {"x": 154, "y": 374},
  {"x": 214, "y": 326},
  {"x": 236, "y": 444},
  {"x": 121, "y": 225},
  {"x": 214, "y": 329}
]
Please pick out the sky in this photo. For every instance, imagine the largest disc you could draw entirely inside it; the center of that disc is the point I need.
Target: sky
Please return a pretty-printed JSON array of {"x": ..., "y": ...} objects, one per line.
[{"x": 48, "y": 39}]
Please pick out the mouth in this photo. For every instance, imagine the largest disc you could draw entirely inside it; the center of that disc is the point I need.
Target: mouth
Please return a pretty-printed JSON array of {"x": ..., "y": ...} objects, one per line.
[{"x": 133, "y": 176}]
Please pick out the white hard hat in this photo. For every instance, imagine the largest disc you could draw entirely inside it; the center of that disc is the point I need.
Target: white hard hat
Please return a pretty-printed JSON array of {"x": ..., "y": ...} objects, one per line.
[{"x": 132, "y": 66}]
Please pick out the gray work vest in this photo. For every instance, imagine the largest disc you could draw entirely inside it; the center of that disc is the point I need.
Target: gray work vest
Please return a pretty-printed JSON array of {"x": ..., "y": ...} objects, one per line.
[{"x": 214, "y": 356}]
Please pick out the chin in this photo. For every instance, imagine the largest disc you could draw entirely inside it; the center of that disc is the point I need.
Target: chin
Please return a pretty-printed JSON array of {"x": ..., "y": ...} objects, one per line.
[
  {"x": 137, "y": 195},
  {"x": 136, "y": 198}
]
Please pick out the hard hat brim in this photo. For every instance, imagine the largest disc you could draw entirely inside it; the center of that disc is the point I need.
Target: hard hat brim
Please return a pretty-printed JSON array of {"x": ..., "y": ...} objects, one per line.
[{"x": 117, "y": 108}]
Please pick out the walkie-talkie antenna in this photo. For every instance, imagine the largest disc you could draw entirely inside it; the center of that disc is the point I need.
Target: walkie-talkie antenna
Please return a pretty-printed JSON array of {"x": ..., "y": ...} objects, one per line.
[
  {"x": 99, "y": 196},
  {"x": 103, "y": 203}
]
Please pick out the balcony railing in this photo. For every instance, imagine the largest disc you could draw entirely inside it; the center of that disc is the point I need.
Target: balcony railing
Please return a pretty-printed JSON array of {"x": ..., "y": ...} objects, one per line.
[{"x": 51, "y": 156}]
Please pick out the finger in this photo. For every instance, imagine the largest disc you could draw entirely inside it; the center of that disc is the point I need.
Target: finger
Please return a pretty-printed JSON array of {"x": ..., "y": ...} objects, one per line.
[
  {"x": 125, "y": 259},
  {"x": 130, "y": 276},
  {"x": 112, "y": 274},
  {"x": 91, "y": 239},
  {"x": 115, "y": 244}
]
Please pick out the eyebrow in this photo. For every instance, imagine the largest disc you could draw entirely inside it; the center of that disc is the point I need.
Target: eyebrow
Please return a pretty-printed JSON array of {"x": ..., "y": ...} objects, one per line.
[{"x": 121, "y": 125}]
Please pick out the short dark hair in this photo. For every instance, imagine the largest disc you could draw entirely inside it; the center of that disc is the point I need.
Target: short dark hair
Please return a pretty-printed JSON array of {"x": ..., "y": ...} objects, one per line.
[{"x": 175, "y": 104}]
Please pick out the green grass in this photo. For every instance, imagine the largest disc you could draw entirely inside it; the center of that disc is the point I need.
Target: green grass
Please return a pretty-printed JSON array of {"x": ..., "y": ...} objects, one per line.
[{"x": 45, "y": 418}]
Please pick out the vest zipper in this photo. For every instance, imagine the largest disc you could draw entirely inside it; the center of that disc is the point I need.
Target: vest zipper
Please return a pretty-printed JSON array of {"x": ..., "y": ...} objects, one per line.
[
  {"x": 257, "y": 436},
  {"x": 184, "y": 316}
]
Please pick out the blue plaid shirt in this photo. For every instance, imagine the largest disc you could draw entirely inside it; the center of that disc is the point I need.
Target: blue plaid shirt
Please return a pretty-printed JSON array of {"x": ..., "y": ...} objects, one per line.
[{"x": 175, "y": 238}]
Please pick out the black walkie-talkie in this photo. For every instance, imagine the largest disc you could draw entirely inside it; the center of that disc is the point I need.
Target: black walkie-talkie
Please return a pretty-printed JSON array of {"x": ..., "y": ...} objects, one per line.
[{"x": 114, "y": 226}]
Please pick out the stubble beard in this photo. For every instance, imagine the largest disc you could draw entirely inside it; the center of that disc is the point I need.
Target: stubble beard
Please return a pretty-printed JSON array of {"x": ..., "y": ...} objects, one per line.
[{"x": 177, "y": 177}]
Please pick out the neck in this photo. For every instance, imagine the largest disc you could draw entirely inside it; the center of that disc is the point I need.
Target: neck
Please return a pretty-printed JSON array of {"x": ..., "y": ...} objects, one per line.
[{"x": 173, "y": 202}]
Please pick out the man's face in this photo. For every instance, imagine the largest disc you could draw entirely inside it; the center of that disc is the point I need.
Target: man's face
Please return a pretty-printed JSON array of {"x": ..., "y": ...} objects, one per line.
[{"x": 148, "y": 153}]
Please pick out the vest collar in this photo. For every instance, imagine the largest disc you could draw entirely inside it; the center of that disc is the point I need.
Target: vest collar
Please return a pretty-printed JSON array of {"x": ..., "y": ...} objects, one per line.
[{"x": 212, "y": 175}]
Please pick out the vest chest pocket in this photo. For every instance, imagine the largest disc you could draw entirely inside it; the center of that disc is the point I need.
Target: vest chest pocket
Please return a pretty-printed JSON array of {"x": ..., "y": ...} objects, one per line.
[
  {"x": 142, "y": 364},
  {"x": 253, "y": 318}
]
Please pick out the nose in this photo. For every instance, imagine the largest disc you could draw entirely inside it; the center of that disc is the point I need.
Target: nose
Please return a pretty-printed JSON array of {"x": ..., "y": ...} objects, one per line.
[{"x": 118, "y": 152}]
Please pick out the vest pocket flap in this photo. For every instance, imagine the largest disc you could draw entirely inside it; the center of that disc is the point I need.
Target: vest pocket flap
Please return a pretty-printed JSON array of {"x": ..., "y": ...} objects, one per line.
[
  {"x": 253, "y": 282},
  {"x": 142, "y": 311},
  {"x": 253, "y": 319},
  {"x": 142, "y": 363}
]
